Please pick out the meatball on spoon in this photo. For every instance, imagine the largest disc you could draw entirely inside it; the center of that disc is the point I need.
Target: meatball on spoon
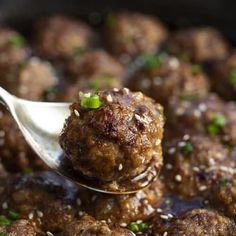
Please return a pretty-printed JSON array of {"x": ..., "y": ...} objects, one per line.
[{"x": 110, "y": 142}]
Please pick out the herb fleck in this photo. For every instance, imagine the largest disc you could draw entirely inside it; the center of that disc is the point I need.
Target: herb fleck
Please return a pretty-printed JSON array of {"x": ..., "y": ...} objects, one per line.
[
  {"x": 216, "y": 123},
  {"x": 16, "y": 41},
  {"x": 138, "y": 227},
  {"x": 151, "y": 61},
  {"x": 224, "y": 181},
  {"x": 88, "y": 100},
  {"x": 186, "y": 149},
  {"x": 196, "y": 69},
  {"x": 4, "y": 220},
  {"x": 232, "y": 77},
  {"x": 13, "y": 215}
]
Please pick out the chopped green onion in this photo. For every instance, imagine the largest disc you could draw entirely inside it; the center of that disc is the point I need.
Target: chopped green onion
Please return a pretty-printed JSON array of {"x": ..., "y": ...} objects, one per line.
[
  {"x": 110, "y": 21},
  {"x": 90, "y": 101},
  {"x": 2, "y": 234},
  {"x": 151, "y": 61},
  {"x": 79, "y": 51},
  {"x": 4, "y": 220},
  {"x": 137, "y": 227},
  {"x": 13, "y": 215},
  {"x": 187, "y": 97},
  {"x": 186, "y": 149},
  {"x": 232, "y": 77},
  {"x": 224, "y": 181},
  {"x": 100, "y": 82},
  {"x": 27, "y": 170},
  {"x": 196, "y": 69},
  {"x": 16, "y": 41},
  {"x": 217, "y": 122}
]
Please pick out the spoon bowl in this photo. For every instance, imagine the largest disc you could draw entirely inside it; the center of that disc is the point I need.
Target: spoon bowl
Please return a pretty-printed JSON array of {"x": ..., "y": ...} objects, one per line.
[{"x": 41, "y": 124}]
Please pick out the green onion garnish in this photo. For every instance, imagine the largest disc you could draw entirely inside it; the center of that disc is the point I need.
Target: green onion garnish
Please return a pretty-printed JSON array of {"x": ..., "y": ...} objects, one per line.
[
  {"x": 13, "y": 215},
  {"x": 187, "y": 97},
  {"x": 79, "y": 51},
  {"x": 2, "y": 234},
  {"x": 186, "y": 149},
  {"x": 137, "y": 227},
  {"x": 232, "y": 77},
  {"x": 217, "y": 122},
  {"x": 27, "y": 170},
  {"x": 90, "y": 101},
  {"x": 4, "y": 220},
  {"x": 110, "y": 21},
  {"x": 223, "y": 181},
  {"x": 16, "y": 41},
  {"x": 151, "y": 61},
  {"x": 196, "y": 69}
]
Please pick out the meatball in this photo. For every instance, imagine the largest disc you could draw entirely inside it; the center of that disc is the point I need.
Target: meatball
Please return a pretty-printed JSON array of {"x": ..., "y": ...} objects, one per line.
[
  {"x": 223, "y": 196},
  {"x": 60, "y": 37},
  {"x": 13, "y": 50},
  {"x": 199, "y": 45},
  {"x": 223, "y": 77},
  {"x": 164, "y": 77},
  {"x": 95, "y": 70},
  {"x": 114, "y": 136},
  {"x": 193, "y": 163},
  {"x": 123, "y": 209},
  {"x": 133, "y": 33},
  {"x": 19, "y": 228},
  {"x": 88, "y": 226},
  {"x": 31, "y": 80},
  {"x": 45, "y": 198},
  {"x": 199, "y": 222},
  {"x": 209, "y": 115},
  {"x": 16, "y": 155}
]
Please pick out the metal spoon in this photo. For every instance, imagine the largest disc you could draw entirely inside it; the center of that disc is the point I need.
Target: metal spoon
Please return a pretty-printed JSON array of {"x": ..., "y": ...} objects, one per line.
[{"x": 41, "y": 124}]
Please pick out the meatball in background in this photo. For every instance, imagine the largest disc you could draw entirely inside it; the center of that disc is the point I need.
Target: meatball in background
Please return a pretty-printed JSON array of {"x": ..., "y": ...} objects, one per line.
[
  {"x": 199, "y": 45},
  {"x": 131, "y": 34},
  {"x": 164, "y": 77},
  {"x": 60, "y": 37}
]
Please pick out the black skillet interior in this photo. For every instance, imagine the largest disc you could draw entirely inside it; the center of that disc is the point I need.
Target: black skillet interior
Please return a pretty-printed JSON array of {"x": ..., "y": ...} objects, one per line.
[{"x": 178, "y": 13}]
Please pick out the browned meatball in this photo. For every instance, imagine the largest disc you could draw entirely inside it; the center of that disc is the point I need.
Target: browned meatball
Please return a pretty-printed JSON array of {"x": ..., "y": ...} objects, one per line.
[
  {"x": 95, "y": 70},
  {"x": 223, "y": 196},
  {"x": 13, "y": 50},
  {"x": 31, "y": 80},
  {"x": 164, "y": 77},
  {"x": 88, "y": 226},
  {"x": 123, "y": 209},
  {"x": 19, "y": 228},
  {"x": 209, "y": 115},
  {"x": 45, "y": 198},
  {"x": 60, "y": 37},
  {"x": 198, "y": 44},
  {"x": 116, "y": 138},
  {"x": 16, "y": 155},
  {"x": 133, "y": 33},
  {"x": 199, "y": 222},
  {"x": 193, "y": 163},
  {"x": 223, "y": 77}
]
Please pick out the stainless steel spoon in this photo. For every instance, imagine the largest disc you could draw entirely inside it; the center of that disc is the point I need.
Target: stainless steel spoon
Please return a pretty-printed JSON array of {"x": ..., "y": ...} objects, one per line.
[{"x": 41, "y": 124}]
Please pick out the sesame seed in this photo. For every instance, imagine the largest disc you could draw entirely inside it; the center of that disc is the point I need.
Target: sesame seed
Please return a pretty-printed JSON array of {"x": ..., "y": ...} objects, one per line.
[
  {"x": 202, "y": 107},
  {"x": 186, "y": 137},
  {"x": 109, "y": 98},
  {"x": 5, "y": 205},
  {"x": 158, "y": 141},
  {"x": 115, "y": 89},
  {"x": 94, "y": 198},
  {"x": 165, "y": 234},
  {"x": 169, "y": 166},
  {"x": 178, "y": 178},
  {"x": 49, "y": 233},
  {"x": 145, "y": 83},
  {"x": 40, "y": 214},
  {"x": 196, "y": 169},
  {"x": 174, "y": 63},
  {"x": 120, "y": 167},
  {"x": 170, "y": 215},
  {"x": 197, "y": 113},
  {"x": 126, "y": 90},
  {"x": 202, "y": 188},
  {"x": 181, "y": 144},
  {"x": 159, "y": 210},
  {"x": 123, "y": 224},
  {"x": 164, "y": 217},
  {"x": 78, "y": 201},
  {"x": 76, "y": 113},
  {"x": 81, "y": 213},
  {"x": 171, "y": 150},
  {"x": 31, "y": 215},
  {"x": 157, "y": 81}
]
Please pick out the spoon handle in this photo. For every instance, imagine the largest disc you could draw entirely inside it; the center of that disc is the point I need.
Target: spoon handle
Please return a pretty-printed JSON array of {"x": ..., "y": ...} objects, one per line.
[{"x": 6, "y": 98}]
